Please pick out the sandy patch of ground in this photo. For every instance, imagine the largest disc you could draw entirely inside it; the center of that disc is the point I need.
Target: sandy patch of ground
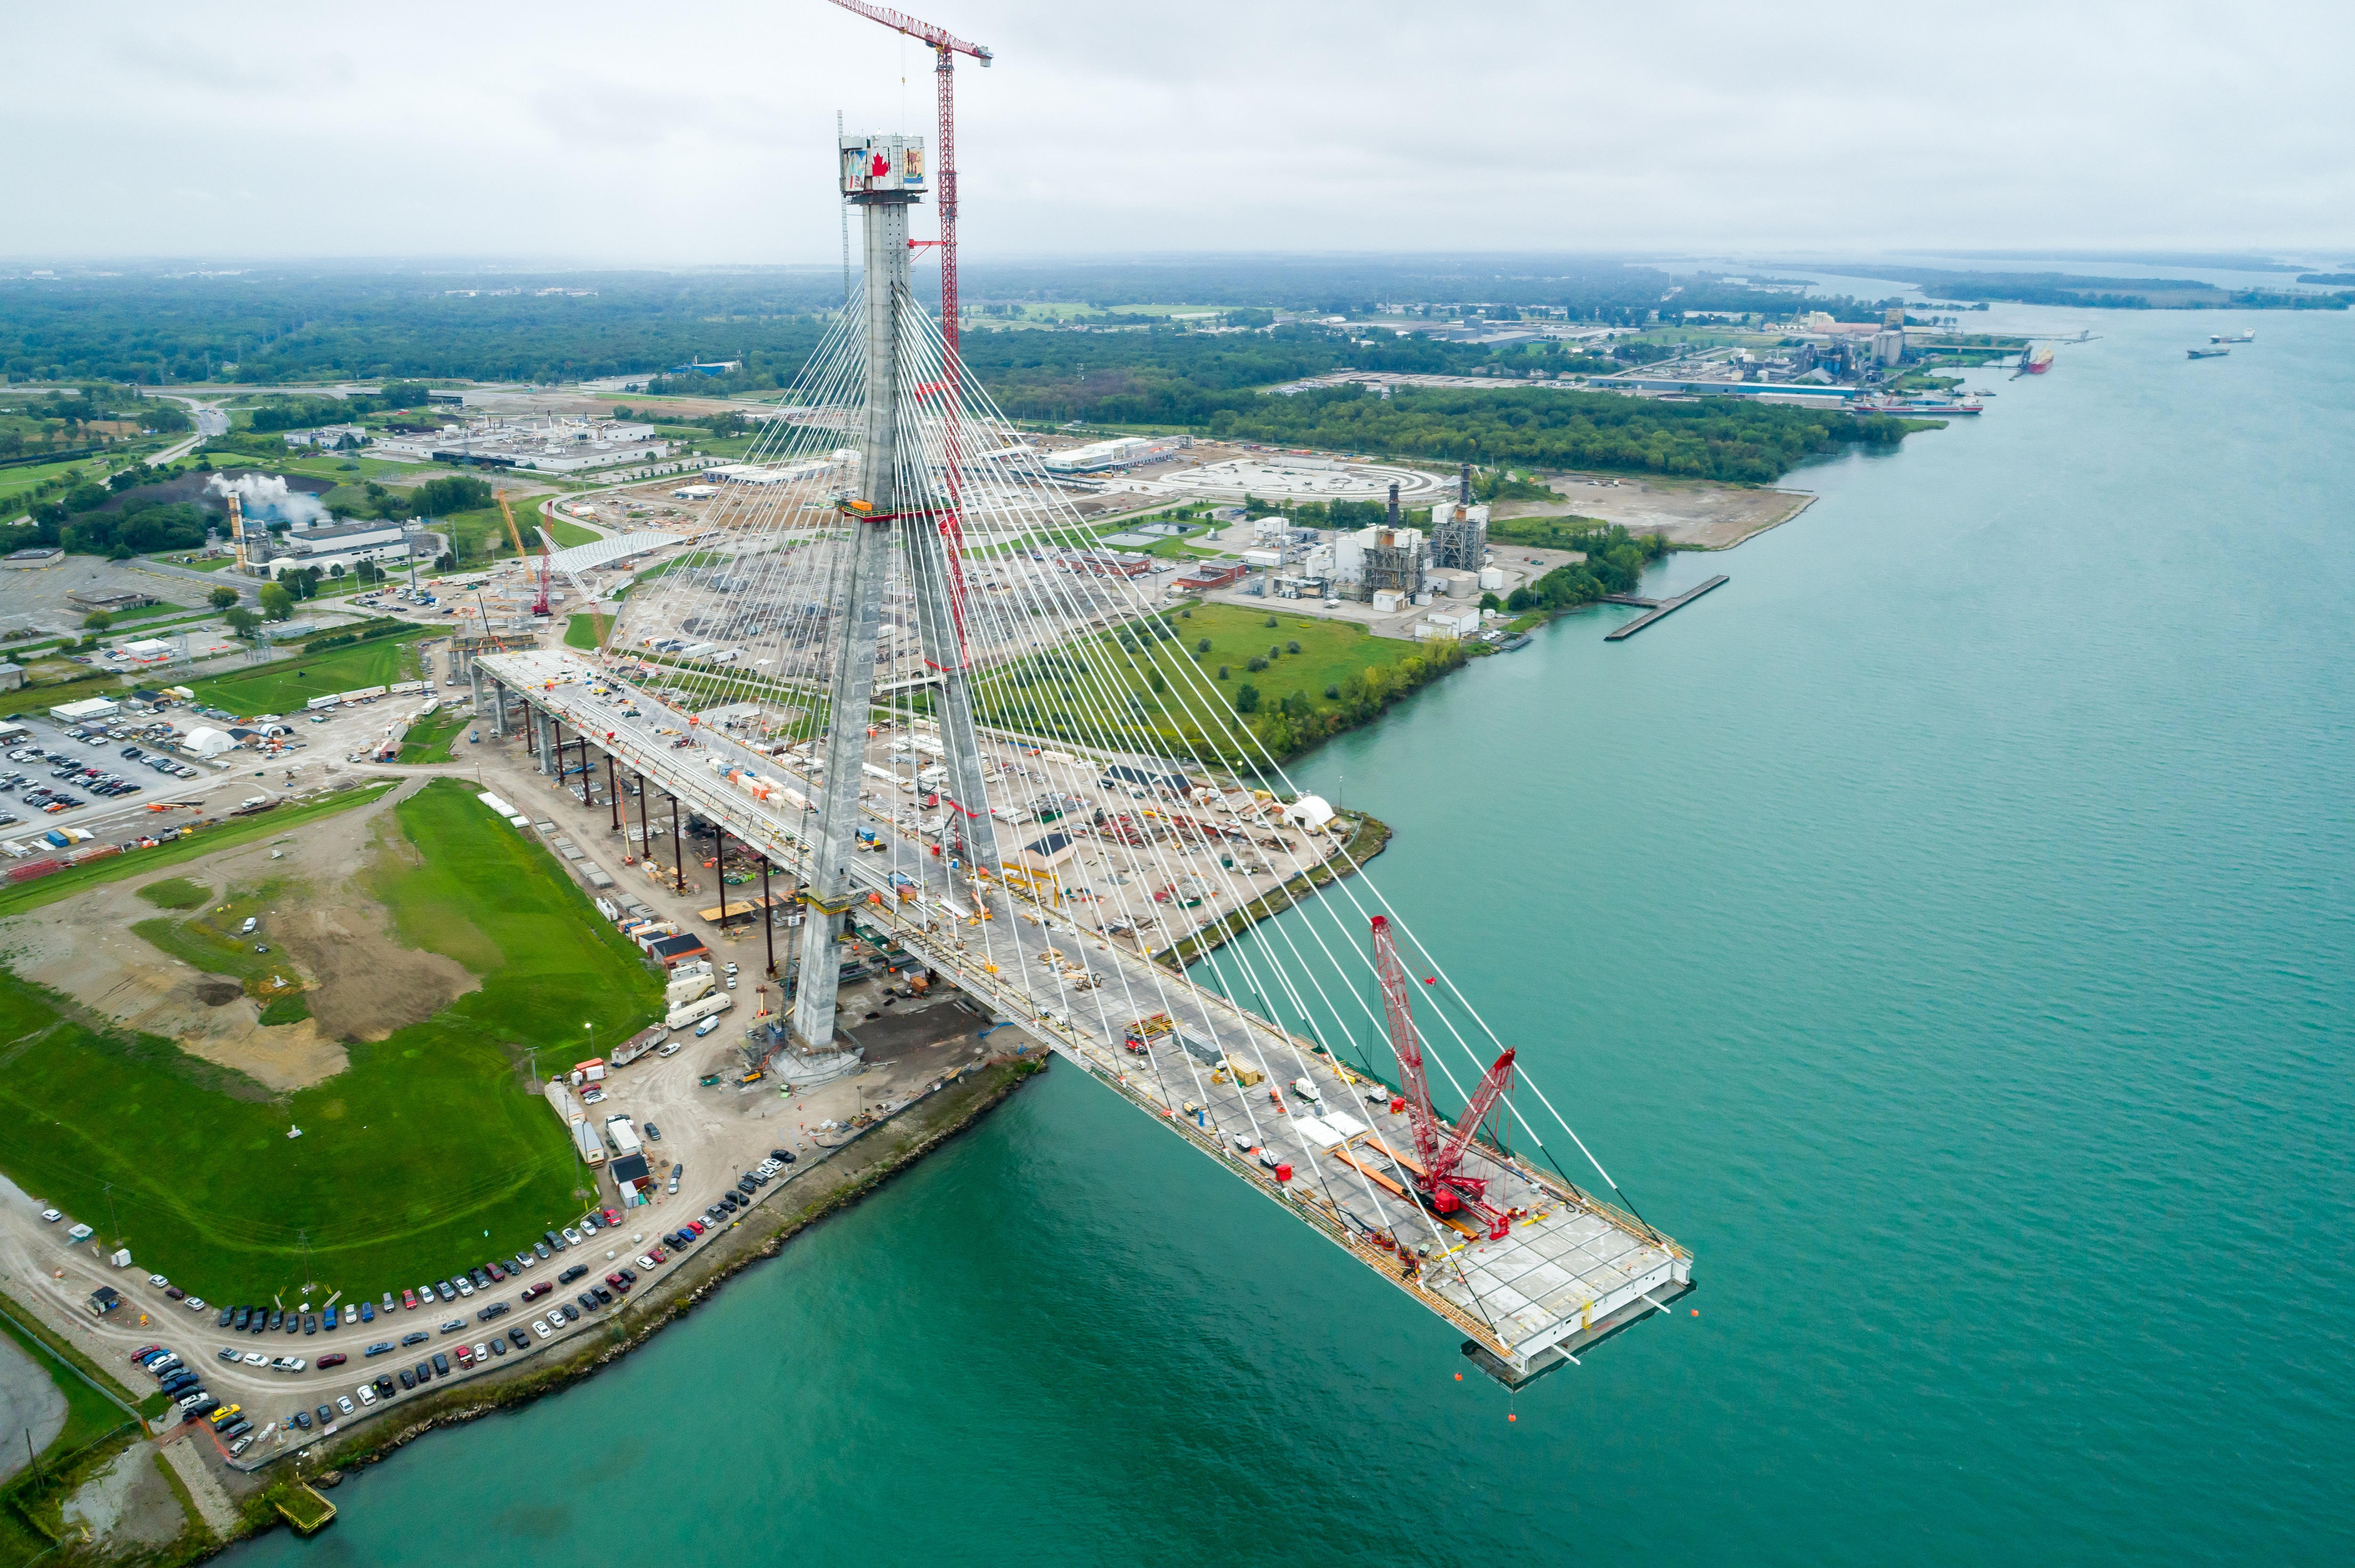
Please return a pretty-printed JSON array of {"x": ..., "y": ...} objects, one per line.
[
  {"x": 128, "y": 1503},
  {"x": 1689, "y": 512},
  {"x": 362, "y": 984}
]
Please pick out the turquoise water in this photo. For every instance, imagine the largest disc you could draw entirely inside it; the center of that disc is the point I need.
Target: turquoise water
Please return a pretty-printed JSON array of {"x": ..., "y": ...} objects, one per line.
[{"x": 1944, "y": 928}]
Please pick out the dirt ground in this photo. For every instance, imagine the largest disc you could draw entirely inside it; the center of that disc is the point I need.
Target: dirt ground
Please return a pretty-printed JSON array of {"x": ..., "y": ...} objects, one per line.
[
  {"x": 128, "y": 1503},
  {"x": 1689, "y": 512},
  {"x": 361, "y": 982}
]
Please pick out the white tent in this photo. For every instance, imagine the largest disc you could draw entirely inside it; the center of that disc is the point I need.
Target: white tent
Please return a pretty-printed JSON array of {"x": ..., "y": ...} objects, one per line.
[
  {"x": 1309, "y": 812},
  {"x": 207, "y": 742}
]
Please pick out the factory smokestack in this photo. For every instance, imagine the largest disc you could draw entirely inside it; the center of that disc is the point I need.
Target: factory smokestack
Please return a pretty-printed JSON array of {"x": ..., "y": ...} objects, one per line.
[
  {"x": 1464, "y": 486},
  {"x": 1393, "y": 518}
]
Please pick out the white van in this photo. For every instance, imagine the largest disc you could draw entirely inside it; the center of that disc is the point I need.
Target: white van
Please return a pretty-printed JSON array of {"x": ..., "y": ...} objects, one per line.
[{"x": 706, "y": 1027}]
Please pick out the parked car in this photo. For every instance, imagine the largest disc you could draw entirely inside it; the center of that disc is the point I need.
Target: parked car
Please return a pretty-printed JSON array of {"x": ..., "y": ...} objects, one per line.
[{"x": 335, "y": 1359}]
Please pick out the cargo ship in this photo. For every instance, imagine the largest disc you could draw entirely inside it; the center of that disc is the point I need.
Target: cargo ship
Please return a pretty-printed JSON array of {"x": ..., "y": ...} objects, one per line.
[
  {"x": 2248, "y": 336},
  {"x": 2207, "y": 353},
  {"x": 2034, "y": 360}
]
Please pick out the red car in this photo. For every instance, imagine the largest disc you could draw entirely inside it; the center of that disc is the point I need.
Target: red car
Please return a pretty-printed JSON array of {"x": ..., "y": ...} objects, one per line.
[
  {"x": 654, "y": 1253},
  {"x": 534, "y": 1292},
  {"x": 409, "y": 1301},
  {"x": 695, "y": 1225},
  {"x": 612, "y": 1217},
  {"x": 324, "y": 1362}
]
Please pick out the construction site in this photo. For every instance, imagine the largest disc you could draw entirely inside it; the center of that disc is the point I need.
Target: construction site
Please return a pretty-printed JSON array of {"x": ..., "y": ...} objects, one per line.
[{"x": 850, "y": 701}]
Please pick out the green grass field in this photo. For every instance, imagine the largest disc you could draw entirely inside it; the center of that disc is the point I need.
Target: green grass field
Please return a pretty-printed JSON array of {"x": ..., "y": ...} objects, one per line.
[
  {"x": 212, "y": 942},
  {"x": 284, "y": 686},
  {"x": 1062, "y": 702},
  {"x": 15, "y": 898},
  {"x": 570, "y": 533},
  {"x": 176, "y": 893},
  {"x": 580, "y": 632},
  {"x": 431, "y": 741},
  {"x": 430, "y": 1140}
]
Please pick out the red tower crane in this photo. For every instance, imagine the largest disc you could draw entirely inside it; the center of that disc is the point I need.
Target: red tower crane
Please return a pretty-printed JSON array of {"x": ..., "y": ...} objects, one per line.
[
  {"x": 1437, "y": 1146},
  {"x": 945, "y": 47}
]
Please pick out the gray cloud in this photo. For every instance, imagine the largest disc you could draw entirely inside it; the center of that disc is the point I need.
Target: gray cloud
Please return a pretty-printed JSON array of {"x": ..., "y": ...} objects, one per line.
[{"x": 611, "y": 133}]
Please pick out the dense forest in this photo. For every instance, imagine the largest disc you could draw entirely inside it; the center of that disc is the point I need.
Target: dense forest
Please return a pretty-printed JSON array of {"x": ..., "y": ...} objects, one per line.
[
  {"x": 276, "y": 325},
  {"x": 1716, "y": 438},
  {"x": 2102, "y": 293}
]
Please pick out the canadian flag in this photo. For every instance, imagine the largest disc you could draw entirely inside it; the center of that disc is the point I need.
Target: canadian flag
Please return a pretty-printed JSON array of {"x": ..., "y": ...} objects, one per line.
[{"x": 882, "y": 167}]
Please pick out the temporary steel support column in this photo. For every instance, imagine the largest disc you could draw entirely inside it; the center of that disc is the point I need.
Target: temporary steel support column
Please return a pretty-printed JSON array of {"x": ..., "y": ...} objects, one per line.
[
  {"x": 645, "y": 838},
  {"x": 768, "y": 918},
  {"x": 614, "y": 789},
  {"x": 498, "y": 711},
  {"x": 678, "y": 853},
  {"x": 827, "y": 893}
]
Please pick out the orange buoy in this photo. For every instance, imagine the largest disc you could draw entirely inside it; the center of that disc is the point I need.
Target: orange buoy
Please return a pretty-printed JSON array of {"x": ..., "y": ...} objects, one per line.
[
  {"x": 1459, "y": 1377},
  {"x": 1512, "y": 1417}
]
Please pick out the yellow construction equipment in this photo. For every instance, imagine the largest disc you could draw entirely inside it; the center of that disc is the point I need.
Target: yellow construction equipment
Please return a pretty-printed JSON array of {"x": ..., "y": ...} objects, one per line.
[{"x": 539, "y": 602}]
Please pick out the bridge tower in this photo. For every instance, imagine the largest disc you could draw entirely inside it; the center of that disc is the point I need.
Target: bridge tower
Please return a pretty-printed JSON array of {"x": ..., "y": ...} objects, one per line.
[{"x": 900, "y": 503}]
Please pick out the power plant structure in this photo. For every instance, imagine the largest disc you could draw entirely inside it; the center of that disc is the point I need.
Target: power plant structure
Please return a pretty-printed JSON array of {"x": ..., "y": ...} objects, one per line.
[
  {"x": 1014, "y": 769},
  {"x": 1459, "y": 532}
]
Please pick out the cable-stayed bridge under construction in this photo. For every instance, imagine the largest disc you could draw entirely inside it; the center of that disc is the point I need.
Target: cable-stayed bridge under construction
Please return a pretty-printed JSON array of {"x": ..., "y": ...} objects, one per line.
[{"x": 897, "y": 644}]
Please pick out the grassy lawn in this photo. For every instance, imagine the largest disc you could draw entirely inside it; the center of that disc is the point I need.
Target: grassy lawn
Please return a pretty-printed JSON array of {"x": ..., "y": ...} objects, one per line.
[
  {"x": 203, "y": 563},
  {"x": 569, "y": 533},
  {"x": 212, "y": 942},
  {"x": 284, "y": 686},
  {"x": 430, "y": 1140},
  {"x": 580, "y": 632},
  {"x": 16, "y": 898},
  {"x": 176, "y": 893},
  {"x": 148, "y": 612},
  {"x": 1543, "y": 533},
  {"x": 36, "y": 699},
  {"x": 1059, "y": 702},
  {"x": 431, "y": 741}
]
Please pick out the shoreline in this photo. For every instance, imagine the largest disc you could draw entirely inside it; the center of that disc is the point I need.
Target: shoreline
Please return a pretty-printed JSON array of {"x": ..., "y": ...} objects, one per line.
[
  {"x": 256, "y": 1489},
  {"x": 1372, "y": 837}
]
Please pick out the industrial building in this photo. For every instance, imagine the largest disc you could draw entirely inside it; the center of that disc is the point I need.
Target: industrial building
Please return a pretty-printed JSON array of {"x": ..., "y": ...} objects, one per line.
[
  {"x": 1380, "y": 559},
  {"x": 542, "y": 446},
  {"x": 1124, "y": 452}
]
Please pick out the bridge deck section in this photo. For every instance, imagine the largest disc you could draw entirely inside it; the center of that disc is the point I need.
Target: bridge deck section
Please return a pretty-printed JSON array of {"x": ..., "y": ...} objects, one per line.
[{"x": 1570, "y": 1269}]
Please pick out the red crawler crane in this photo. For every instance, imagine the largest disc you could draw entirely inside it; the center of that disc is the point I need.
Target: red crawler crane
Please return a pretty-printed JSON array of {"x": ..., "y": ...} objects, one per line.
[{"x": 1439, "y": 1147}]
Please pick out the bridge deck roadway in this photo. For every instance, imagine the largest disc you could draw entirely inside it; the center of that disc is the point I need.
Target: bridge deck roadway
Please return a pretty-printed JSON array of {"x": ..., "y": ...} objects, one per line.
[{"x": 1571, "y": 1270}]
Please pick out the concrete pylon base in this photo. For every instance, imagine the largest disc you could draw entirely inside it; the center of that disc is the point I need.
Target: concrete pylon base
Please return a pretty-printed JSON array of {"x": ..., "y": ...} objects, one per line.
[{"x": 806, "y": 1069}]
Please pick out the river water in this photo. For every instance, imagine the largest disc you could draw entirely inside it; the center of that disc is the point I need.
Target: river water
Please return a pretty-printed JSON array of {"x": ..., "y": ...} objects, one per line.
[{"x": 1944, "y": 928}]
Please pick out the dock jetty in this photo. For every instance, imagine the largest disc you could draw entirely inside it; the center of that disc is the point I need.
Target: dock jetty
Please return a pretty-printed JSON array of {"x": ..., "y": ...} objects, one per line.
[{"x": 1654, "y": 608}]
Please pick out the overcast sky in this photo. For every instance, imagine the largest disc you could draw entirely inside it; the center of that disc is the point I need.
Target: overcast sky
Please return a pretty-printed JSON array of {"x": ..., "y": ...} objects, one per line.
[{"x": 699, "y": 132}]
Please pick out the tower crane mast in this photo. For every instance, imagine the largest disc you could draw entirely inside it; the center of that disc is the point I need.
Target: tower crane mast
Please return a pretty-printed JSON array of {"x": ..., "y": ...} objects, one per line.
[{"x": 945, "y": 47}]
